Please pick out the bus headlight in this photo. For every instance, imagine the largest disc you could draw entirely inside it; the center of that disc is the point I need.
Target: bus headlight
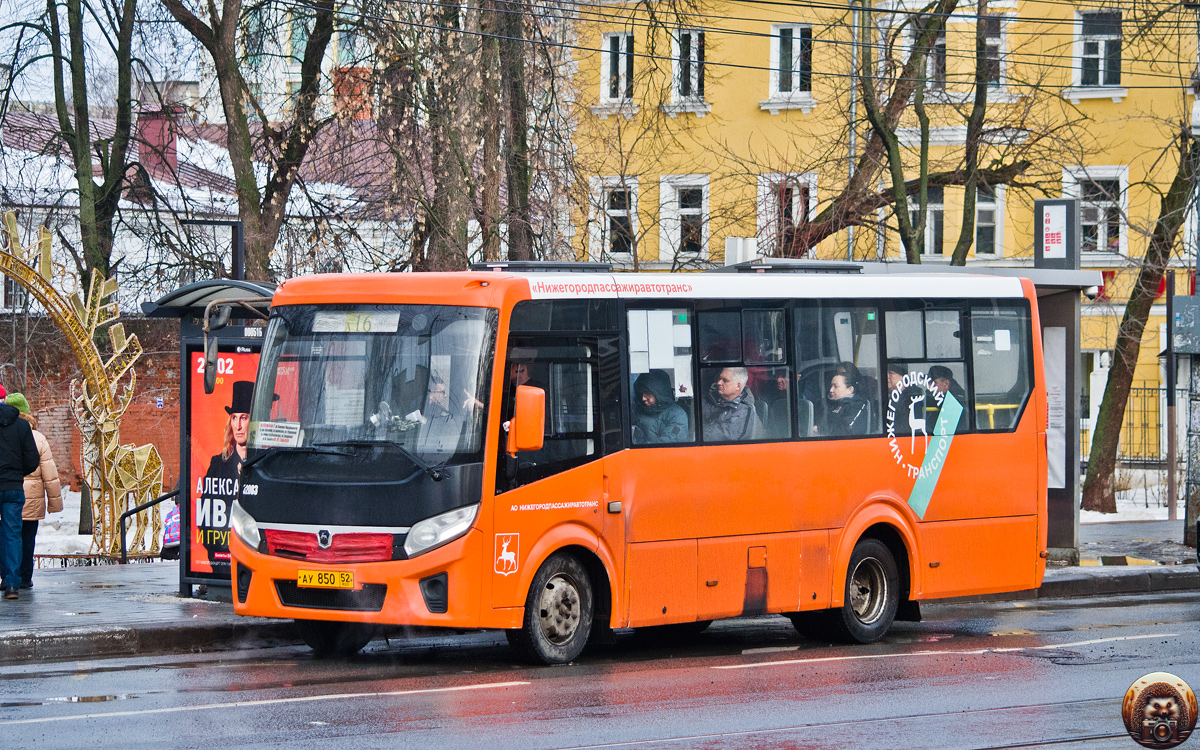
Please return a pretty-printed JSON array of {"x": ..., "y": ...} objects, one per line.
[
  {"x": 436, "y": 531},
  {"x": 244, "y": 526}
]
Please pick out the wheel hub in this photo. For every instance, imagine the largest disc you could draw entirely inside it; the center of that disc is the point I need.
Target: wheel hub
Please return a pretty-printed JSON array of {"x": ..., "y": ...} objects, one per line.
[
  {"x": 868, "y": 590},
  {"x": 559, "y": 609}
]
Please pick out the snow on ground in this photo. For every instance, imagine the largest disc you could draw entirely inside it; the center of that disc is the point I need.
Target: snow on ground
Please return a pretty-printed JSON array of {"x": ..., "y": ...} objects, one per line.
[
  {"x": 57, "y": 532},
  {"x": 1141, "y": 496}
]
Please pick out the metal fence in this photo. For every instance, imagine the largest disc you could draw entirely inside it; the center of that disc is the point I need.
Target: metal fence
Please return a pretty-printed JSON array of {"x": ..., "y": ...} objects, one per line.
[{"x": 1144, "y": 431}]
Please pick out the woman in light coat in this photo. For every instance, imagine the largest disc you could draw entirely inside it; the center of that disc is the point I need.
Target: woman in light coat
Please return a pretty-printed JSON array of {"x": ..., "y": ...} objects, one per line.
[{"x": 42, "y": 491}]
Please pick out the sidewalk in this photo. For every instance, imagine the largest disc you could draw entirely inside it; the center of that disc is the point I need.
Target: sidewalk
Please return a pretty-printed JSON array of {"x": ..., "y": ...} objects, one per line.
[
  {"x": 113, "y": 610},
  {"x": 123, "y": 610}
]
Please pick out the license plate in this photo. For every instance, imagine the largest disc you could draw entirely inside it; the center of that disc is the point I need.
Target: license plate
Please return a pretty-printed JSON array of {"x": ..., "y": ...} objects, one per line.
[{"x": 325, "y": 579}]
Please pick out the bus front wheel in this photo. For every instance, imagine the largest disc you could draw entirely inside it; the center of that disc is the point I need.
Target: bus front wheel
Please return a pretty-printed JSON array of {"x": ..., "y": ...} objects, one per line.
[
  {"x": 558, "y": 612},
  {"x": 327, "y": 638},
  {"x": 871, "y": 597}
]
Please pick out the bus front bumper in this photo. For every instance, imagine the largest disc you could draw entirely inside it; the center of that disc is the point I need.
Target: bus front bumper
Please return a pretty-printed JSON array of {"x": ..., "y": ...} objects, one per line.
[{"x": 388, "y": 592}]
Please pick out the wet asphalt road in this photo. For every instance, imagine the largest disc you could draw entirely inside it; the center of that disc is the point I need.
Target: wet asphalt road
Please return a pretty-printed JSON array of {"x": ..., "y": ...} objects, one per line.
[{"x": 1013, "y": 674}]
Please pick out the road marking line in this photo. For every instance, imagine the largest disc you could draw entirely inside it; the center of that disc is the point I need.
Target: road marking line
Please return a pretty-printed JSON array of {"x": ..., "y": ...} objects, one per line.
[
  {"x": 959, "y": 652},
  {"x": 268, "y": 702}
]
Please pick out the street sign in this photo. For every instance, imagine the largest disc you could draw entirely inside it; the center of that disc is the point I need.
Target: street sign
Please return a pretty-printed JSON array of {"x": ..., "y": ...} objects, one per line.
[{"x": 1056, "y": 233}]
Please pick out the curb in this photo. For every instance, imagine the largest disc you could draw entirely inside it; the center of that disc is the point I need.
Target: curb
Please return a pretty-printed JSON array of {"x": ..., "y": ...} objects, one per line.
[
  {"x": 1090, "y": 581},
  {"x": 82, "y": 643}
]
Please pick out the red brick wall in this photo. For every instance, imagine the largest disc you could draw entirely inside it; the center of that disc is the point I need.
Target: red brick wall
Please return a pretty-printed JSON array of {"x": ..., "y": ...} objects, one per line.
[{"x": 42, "y": 365}]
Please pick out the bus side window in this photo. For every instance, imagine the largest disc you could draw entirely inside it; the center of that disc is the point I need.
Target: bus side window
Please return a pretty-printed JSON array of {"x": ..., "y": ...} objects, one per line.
[
  {"x": 838, "y": 369},
  {"x": 662, "y": 400},
  {"x": 999, "y": 365},
  {"x": 566, "y": 369},
  {"x": 925, "y": 363}
]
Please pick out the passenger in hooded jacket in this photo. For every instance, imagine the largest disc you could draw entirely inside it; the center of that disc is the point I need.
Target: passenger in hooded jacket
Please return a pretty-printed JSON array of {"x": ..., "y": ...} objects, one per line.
[
  {"x": 43, "y": 493},
  {"x": 657, "y": 418}
]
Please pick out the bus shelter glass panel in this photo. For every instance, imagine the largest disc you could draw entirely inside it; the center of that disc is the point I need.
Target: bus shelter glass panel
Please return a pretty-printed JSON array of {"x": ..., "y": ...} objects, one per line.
[{"x": 662, "y": 398}]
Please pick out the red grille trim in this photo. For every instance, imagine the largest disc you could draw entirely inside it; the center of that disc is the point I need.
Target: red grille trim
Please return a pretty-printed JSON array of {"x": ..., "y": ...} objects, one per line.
[{"x": 344, "y": 548}]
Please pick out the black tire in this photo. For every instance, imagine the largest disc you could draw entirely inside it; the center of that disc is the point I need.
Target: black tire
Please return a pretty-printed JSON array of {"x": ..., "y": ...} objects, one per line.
[
  {"x": 679, "y": 631},
  {"x": 335, "y": 638},
  {"x": 871, "y": 597},
  {"x": 558, "y": 612},
  {"x": 814, "y": 624}
]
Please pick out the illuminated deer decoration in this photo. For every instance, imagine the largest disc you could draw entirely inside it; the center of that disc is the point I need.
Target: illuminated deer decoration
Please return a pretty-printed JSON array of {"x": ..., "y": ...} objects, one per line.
[{"x": 118, "y": 476}]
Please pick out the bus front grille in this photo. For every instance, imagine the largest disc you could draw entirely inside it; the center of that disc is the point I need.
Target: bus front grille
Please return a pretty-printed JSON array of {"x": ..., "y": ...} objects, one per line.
[{"x": 369, "y": 599}]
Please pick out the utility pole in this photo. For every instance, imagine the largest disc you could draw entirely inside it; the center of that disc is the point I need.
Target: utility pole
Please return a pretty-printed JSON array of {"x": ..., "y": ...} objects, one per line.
[
  {"x": 853, "y": 142},
  {"x": 237, "y": 269}
]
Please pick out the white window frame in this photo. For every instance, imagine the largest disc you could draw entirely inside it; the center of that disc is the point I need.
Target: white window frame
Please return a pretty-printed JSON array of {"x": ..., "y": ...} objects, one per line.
[
  {"x": 930, "y": 235},
  {"x": 669, "y": 215},
  {"x": 694, "y": 102},
  {"x": 1078, "y": 92},
  {"x": 599, "y": 189},
  {"x": 1072, "y": 176},
  {"x": 777, "y": 100},
  {"x": 768, "y": 207},
  {"x": 625, "y": 59},
  {"x": 997, "y": 209},
  {"x": 1001, "y": 52}
]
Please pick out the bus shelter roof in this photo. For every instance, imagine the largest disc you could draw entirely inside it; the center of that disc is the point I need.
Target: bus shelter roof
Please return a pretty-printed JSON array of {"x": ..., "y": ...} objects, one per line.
[{"x": 193, "y": 298}]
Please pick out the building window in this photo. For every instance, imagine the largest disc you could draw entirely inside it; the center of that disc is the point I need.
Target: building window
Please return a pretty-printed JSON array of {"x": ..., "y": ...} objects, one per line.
[
  {"x": 987, "y": 214},
  {"x": 785, "y": 203},
  {"x": 683, "y": 208},
  {"x": 935, "y": 63},
  {"x": 1100, "y": 49},
  {"x": 618, "y": 67},
  {"x": 254, "y": 37},
  {"x": 618, "y": 210},
  {"x": 993, "y": 31},
  {"x": 934, "y": 224},
  {"x": 691, "y": 220},
  {"x": 14, "y": 294},
  {"x": 1100, "y": 215},
  {"x": 297, "y": 36},
  {"x": 614, "y": 225},
  {"x": 689, "y": 64},
  {"x": 791, "y": 60}
]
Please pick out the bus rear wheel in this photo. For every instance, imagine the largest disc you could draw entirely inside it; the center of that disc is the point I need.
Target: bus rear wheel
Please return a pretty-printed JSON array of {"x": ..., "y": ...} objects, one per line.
[
  {"x": 558, "y": 612},
  {"x": 327, "y": 638},
  {"x": 871, "y": 597}
]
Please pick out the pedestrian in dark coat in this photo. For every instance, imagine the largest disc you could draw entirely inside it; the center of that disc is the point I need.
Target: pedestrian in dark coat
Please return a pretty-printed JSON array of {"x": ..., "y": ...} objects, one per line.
[{"x": 18, "y": 458}]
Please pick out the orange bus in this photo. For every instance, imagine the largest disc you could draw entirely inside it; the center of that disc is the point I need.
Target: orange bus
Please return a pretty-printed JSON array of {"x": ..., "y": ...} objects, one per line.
[{"x": 560, "y": 454}]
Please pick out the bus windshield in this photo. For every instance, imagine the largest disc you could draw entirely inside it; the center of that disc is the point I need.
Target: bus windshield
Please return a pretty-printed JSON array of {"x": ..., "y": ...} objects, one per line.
[{"x": 413, "y": 377}]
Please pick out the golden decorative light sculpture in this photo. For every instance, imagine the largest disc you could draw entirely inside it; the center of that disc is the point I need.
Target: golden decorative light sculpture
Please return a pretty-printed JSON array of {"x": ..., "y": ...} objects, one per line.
[{"x": 119, "y": 477}]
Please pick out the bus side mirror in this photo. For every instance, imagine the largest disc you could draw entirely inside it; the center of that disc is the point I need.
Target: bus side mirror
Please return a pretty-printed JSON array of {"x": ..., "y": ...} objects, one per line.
[
  {"x": 528, "y": 424},
  {"x": 210, "y": 363}
]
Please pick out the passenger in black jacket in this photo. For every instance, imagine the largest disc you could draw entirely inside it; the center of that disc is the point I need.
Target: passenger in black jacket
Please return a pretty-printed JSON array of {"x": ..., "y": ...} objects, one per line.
[
  {"x": 848, "y": 411},
  {"x": 18, "y": 457}
]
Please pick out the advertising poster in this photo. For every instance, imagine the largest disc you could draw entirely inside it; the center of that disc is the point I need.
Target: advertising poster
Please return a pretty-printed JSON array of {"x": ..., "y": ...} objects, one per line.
[{"x": 218, "y": 428}]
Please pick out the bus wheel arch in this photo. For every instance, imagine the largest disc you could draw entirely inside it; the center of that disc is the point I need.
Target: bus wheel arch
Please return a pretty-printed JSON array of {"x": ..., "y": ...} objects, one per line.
[
  {"x": 891, "y": 527},
  {"x": 559, "y": 611}
]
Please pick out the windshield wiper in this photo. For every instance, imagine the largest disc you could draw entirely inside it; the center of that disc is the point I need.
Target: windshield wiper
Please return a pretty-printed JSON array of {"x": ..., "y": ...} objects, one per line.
[
  {"x": 277, "y": 449},
  {"x": 434, "y": 472}
]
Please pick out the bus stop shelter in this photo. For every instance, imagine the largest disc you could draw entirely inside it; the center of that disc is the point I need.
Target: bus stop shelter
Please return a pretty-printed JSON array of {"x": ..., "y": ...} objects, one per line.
[{"x": 203, "y": 418}]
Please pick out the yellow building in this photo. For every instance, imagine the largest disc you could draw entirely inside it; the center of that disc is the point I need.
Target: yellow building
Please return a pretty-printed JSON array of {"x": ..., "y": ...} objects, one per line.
[{"x": 733, "y": 120}]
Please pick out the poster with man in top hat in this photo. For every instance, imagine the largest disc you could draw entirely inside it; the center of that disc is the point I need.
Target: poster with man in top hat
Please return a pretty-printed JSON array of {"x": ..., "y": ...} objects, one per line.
[{"x": 218, "y": 429}]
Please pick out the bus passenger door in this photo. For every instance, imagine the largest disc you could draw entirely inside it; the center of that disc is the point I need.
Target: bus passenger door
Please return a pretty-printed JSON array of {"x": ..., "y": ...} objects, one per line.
[{"x": 555, "y": 491}]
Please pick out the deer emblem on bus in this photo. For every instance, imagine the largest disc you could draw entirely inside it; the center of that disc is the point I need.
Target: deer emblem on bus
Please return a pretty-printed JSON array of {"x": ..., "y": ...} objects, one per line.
[
  {"x": 506, "y": 559},
  {"x": 915, "y": 424}
]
